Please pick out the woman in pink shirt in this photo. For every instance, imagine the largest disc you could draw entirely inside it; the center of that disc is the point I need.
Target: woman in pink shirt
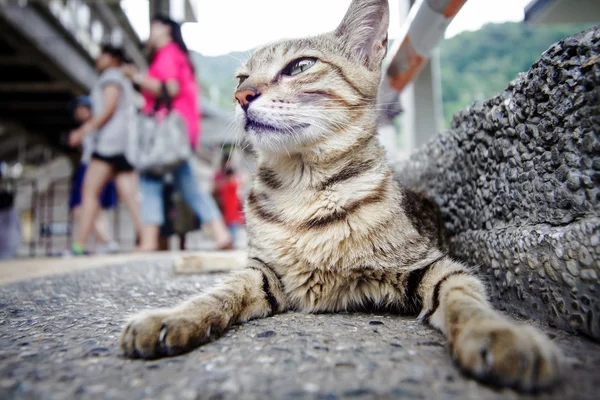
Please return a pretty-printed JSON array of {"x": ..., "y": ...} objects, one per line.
[{"x": 171, "y": 64}]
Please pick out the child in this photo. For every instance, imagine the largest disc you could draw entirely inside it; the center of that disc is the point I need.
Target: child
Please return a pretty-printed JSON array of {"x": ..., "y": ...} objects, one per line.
[
  {"x": 10, "y": 234},
  {"x": 227, "y": 185},
  {"x": 108, "y": 199}
]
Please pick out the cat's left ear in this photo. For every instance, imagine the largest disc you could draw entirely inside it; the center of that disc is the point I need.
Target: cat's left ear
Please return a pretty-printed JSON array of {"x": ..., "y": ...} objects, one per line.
[{"x": 364, "y": 31}]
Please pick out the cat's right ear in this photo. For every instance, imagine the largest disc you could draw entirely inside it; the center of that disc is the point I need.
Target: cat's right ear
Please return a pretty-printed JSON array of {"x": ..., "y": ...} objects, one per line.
[{"x": 363, "y": 31}]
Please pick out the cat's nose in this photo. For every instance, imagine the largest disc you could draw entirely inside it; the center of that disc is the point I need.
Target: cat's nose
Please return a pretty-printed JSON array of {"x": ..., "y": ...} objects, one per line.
[{"x": 246, "y": 96}]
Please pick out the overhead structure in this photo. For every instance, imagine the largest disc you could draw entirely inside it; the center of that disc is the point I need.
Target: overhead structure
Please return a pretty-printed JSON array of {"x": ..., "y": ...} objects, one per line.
[{"x": 47, "y": 52}]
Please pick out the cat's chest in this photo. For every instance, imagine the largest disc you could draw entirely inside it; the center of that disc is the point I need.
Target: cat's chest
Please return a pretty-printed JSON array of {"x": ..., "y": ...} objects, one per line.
[
  {"x": 298, "y": 207},
  {"x": 308, "y": 228}
]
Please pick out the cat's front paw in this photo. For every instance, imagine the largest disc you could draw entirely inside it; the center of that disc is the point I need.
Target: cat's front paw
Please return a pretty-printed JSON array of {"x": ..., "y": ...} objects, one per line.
[
  {"x": 503, "y": 353},
  {"x": 162, "y": 333}
]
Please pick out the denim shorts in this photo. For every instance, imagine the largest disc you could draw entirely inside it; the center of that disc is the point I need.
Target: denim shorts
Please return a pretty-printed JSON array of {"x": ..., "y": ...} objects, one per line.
[{"x": 108, "y": 197}]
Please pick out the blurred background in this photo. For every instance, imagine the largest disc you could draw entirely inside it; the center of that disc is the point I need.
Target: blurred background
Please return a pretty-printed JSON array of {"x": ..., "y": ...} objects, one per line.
[{"x": 47, "y": 53}]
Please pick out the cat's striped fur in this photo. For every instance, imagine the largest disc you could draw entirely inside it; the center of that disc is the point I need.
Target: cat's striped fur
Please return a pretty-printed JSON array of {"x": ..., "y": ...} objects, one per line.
[{"x": 329, "y": 227}]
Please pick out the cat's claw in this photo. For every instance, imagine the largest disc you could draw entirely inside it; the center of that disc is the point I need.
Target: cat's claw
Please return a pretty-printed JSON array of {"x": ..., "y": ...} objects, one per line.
[
  {"x": 506, "y": 354},
  {"x": 160, "y": 333}
]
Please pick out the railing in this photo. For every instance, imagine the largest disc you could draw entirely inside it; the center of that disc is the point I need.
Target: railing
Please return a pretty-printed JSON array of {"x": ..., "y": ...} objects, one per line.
[
  {"x": 47, "y": 224},
  {"x": 92, "y": 23},
  {"x": 76, "y": 17}
]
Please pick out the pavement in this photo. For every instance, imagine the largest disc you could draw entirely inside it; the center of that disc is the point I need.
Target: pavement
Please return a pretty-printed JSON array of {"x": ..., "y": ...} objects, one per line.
[
  {"x": 59, "y": 335},
  {"x": 28, "y": 268}
]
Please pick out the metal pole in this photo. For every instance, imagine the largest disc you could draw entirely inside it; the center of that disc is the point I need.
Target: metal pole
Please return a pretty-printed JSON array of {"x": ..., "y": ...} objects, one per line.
[
  {"x": 50, "y": 219},
  {"x": 33, "y": 221},
  {"x": 69, "y": 216}
]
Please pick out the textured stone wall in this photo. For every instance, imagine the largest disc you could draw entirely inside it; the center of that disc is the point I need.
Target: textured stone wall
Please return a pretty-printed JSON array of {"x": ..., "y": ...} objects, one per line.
[{"x": 518, "y": 180}]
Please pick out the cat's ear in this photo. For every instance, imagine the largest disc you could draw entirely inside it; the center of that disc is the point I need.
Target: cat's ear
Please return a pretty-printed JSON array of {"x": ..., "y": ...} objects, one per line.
[{"x": 364, "y": 31}]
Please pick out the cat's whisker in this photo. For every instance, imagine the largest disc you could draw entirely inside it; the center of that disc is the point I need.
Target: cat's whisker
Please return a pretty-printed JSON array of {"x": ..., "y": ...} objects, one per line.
[
  {"x": 240, "y": 60},
  {"x": 316, "y": 121},
  {"x": 229, "y": 128},
  {"x": 345, "y": 108},
  {"x": 243, "y": 149}
]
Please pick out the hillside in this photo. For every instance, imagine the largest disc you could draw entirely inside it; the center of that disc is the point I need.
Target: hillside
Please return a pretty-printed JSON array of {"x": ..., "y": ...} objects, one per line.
[
  {"x": 474, "y": 65},
  {"x": 478, "y": 65},
  {"x": 217, "y": 76}
]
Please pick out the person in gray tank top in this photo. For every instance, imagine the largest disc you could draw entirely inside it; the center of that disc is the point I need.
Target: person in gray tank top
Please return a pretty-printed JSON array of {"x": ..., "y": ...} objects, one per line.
[{"x": 109, "y": 128}]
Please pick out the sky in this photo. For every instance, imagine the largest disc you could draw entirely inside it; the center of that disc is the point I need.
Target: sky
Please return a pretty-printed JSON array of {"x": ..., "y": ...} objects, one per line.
[{"x": 239, "y": 25}]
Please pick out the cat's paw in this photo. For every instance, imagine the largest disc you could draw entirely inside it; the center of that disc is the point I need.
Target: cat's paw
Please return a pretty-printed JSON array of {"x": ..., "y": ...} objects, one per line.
[
  {"x": 503, "y": 353},
  {"x": 162, "y": 333}
]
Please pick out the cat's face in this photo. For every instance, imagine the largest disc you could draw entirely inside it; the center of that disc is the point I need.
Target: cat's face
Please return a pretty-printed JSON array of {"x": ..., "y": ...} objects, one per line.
[{"x": 295, "y": 93}]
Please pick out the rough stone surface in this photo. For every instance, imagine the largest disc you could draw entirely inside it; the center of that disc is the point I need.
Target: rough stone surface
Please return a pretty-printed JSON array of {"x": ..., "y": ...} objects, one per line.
[
  {"x": 59, "y": 335},
  {"x": 518, "y": 181}
]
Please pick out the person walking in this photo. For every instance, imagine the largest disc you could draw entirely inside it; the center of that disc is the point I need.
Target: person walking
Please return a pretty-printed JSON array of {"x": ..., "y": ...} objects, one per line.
[
  {"x": 82, "y": 112},
  {"x": 112, "y": 120},
  {"x": 10, "y": 234},
  {"x": 171, "y": 65}
]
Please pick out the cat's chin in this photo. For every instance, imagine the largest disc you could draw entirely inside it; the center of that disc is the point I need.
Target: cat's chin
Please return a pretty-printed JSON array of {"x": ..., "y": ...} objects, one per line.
[{"x": 275, "y": 142}]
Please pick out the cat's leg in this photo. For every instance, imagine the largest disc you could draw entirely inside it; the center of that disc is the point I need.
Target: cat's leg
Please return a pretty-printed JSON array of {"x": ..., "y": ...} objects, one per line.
[
  {"x": 254, "y": 292},
  {"x": 483, "y": 342}
]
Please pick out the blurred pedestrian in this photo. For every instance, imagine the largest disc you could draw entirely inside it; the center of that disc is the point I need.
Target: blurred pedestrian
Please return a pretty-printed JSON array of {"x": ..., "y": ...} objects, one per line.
[
  {"x": 171, "y": 65},
  {"x": 226, "y": 187},
  {"x": 82, "y": 112},
  {"x": 111, "y": 123},
  {"x": 10, "y": 234}
]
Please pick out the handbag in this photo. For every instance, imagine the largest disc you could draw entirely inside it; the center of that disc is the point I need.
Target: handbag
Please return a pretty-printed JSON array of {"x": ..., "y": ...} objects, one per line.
[{"x": 161, "y": 142}]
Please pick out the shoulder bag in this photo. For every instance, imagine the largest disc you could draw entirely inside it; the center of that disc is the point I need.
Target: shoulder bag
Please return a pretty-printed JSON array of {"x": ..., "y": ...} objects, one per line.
[{"x": 161, "y": 142}]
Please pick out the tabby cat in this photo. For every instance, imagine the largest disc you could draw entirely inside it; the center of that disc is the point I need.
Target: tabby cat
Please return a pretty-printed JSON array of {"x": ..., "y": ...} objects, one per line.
[{"x": 330, "y": 229}]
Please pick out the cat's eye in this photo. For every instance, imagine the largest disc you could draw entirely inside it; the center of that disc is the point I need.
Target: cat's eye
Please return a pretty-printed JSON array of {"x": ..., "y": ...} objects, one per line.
[
  {"x": 241, "y": 78},
  {"x": 298, "y": 66}
]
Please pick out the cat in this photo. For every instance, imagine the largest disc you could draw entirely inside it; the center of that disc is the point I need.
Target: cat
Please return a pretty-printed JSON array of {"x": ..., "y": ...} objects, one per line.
[{"x": 330, "y": 229}]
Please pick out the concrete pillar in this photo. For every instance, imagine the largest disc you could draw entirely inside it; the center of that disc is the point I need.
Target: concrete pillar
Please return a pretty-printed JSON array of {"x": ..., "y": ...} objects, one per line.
[
  {"x": 422, "y": 104},
  {"x": 421, "y": 100},
  {"x": 179, "y": 10},
  {"x": 389, "y": 99},
  {"x": 159, "y": 7}
]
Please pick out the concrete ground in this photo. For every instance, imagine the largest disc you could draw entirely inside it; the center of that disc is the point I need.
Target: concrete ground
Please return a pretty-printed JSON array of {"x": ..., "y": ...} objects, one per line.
[{"x": 59, "y": 333}]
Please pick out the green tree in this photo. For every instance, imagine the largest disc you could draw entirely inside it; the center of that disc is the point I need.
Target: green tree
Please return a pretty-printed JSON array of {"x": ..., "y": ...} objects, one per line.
[{"x": 478, "y": 65}]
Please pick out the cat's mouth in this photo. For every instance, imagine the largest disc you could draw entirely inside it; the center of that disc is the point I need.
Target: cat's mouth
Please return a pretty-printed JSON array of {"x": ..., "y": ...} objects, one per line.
[
  {"x": 254, "y": 125},
  {"x": 261, "y": 127}
]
